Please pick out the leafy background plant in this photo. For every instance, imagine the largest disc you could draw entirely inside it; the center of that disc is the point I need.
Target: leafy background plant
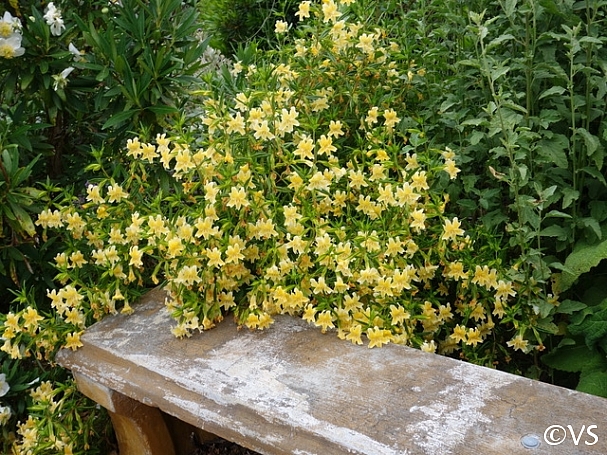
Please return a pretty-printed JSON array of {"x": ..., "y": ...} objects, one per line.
[{"x": 515, "y": 88}]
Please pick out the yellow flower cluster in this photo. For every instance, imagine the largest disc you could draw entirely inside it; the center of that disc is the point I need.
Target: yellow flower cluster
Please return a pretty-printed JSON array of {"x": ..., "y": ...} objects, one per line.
[{"x": 302, "y": 194}]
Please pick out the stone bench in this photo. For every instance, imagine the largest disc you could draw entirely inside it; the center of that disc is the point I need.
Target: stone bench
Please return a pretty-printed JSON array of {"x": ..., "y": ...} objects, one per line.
[{"x": 293, "y": 390}]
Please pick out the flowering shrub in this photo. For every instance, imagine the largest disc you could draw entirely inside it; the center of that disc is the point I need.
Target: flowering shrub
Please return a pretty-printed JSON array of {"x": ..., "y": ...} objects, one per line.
[
  {"x": 306, "y": 187},
  {"x": 304, "y": 191}
]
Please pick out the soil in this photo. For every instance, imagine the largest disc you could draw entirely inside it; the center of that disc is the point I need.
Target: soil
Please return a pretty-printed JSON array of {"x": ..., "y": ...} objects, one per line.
[{"x": 219, "y": 447}]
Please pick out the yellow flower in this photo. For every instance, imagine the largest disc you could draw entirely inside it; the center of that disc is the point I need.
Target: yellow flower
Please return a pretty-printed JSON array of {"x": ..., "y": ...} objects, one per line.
[
  {"x": 371, "y": 117},
  {"x": 394, "y": 247},
  {"x": 174, "y": 247},
  {"x": 262, "y": 131},
  {"x": 378, "y": 172},
  {"x": 335, "y": 129},
  {"x": 324, "y": 321},
  {"x": 265, "y": 320},
  {"x": 411, "y": 160},
  {"x": 326, "y": 146},
  {"x": 451, "y": 169},
  {"x": 483, "y": 276},
  {"x": 183, "y": 161},
  {"x": 77, "y": 259},
  {"x": 73, "y": 316},
  {"x": 281, "y": 27},
  {"x": 365, "y": 43},
  {"x": 473, "y": 337},
  {"x": 398, "y": 314},
  {"x": 305, "y": 148},
  {"x": 452, "y": 229},
  {"x": 134, "y": 147},
  {"x": 288, "y": 120},
  {"x": 31, "y": 318},
  {"x": 428, "y": 346},
  {"x": 518, "y": 343},
  {"x": 115, "y": 193},
  {"x": 234, "y": 254},
  {"x": 391, "y": 119},
  {"x": 418, "y": 221},
  {"x": 504, "y": 290},
  {"x": 297, "y": 244},
  {"x": 237, "y": 198},
  {"x": 419, "y": 181},
  {"x": 74, "y": 223},
  {"x": 386, "y": 195},
  {"x": 330, "y": 11},
  {"x": 320, "y": 286},
  {"x": 459, "y": 333},
  {"x": 304, "y": 10},
  {"x": 72, "y": 341},
  {"x": 378, "y": 337},
  {"x": 236, "y": 124},
  {"x": 354, "y": 334},
  {"x": 309, "y": 314},
  {"x": 148, "y": 152},
  {"x": 357, "y": 179},
  {"x": 405, "y": 195}
]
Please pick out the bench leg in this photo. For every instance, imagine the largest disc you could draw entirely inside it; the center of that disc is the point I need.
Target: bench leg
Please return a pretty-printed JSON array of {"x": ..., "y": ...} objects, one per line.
[{"x": 140, "y": 429}]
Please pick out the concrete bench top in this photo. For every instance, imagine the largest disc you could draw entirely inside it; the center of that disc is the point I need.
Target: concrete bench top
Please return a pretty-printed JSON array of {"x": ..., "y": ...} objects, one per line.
[{"x": 293, "y": 390}]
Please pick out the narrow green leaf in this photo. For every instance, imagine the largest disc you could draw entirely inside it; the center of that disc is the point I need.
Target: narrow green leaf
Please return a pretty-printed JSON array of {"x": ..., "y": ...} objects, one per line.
[
  {"x": 24, "y": 220},
  {"x": 119, "y": 118}
]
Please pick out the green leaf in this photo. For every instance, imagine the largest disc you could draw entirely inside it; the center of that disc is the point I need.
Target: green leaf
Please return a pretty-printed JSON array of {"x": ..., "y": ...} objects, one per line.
[
  {"x": 24, "y": 220},
  {"x": 570, "y": 306},
  {"x": 591, "y": 141},
  {"x": 119, "y": 118},
  {"x": 557, "y": 214},
  {"x": 593, "y": 327},
  {"x": 573, "y": 359},
  {"x": 556, "y": 90},
  {"x": 509, "y": 7},
  {"x": 593, "y": 225},
  {"x": 595, "y": 173},
  {"x": 583, "y": 258},
  {"x": 554, "y": 150},
  {"x": 162, "y": 110},
  {"x": 593, "y": 382},
  {"x": 555, "y": 231},
  {"x": 569, "y": 195}
]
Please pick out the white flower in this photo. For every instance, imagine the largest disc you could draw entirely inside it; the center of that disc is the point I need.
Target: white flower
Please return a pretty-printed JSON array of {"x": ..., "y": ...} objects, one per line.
[
  {"x": 4, "y": 387},
  {"x": 75, "y": 52},
  {"x": 9, "y": 25},
  {"x": 11, "y": 47},
  {"x": 53, "y": 19},
  {"x": 5, "y": 415},
  {"x": 61, "y": 79}
]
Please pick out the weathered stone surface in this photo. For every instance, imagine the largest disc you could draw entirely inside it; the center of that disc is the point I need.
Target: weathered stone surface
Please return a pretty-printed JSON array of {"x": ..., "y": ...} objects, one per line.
[{"x": 293, "y": 390}]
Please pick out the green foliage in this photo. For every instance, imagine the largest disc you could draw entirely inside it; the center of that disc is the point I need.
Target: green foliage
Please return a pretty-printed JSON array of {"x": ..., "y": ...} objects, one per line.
[
  {"x": 584, "y": 257},
  {"x": 591, "y": 364},
  {"x": 144, "y": 57},
  {"x": 234, "y": 24},
  {"x": 74, "y": 79},
  {"x": 306, "y": 188}
]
